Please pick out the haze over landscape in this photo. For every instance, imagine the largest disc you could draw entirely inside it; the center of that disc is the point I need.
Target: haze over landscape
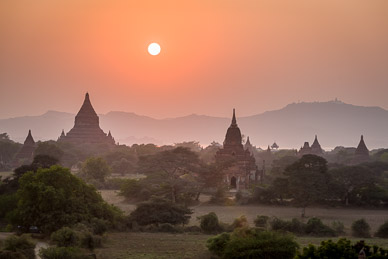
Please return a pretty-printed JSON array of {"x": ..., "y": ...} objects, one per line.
[{"x": 335, "y": 123}]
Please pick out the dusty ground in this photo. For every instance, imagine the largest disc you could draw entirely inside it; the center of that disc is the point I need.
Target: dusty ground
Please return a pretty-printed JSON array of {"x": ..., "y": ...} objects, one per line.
[{"x": 5, "y": 174}]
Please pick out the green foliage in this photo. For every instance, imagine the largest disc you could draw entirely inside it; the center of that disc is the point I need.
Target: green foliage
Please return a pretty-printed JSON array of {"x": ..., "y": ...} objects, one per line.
[
  {"x": 253, "y": 243},
  {"x": 62, "y": 253},
  {"x": 8, "y": 202},
  {"x": 131, "y": 189},
  {"x": 342, "y": 249},
  {"x": 360, "y": 228},
  {"x": 49, "y": 148},
  {"x": 261, "y": 221},
  {"x": 158, "y": 211},
  {"x": 65, "y": 237},
  {"x": 123, "y": 166},
  {"x": 308, "y": 179},
  {"x": 314, "y": 227},
  {"x": 169, "y": 228},
  {"x": 209, "y": 223},
  {"x": 382, "y": 232},
  {"x": 53, "y": 198},
  {"x": 171, "y": 172},
  {"x": 22, "y": 245},
  {"x": 338, "y": 227},
  {"x": 95, "y": 168}
]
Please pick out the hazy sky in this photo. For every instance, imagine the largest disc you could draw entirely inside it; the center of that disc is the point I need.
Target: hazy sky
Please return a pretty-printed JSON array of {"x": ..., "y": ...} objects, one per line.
[{"x": 216, "y": 55}]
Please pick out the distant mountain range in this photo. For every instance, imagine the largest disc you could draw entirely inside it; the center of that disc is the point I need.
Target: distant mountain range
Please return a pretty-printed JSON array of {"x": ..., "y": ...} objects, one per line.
[{"x": 336, "y": 124}]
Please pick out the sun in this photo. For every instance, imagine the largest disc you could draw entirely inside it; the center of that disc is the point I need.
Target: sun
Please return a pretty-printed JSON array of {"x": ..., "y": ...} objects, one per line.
[{"x": 154, "y": 49}]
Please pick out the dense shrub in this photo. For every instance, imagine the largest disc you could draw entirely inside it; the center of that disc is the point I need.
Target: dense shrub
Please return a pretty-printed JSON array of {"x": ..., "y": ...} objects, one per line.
[
  {"x": 65, "y": 237},
  {"x": 316, "y": 227},
  {"x": 209, "y": 223},
  {"x": 8, "y": 202},
  {"x": 19, "y": 245},
  {"x": 240, "y": 222},
  {"x": 158, "y": 211},
  {"x": 5, "y": 254},
  {"x": 338, "y": 227},
  {"x": 131, "y": 189},
  {"x": 253, "y": 243},
  {"x": 294, "y": 226},
  {"x": 53, "y": 198},
  {"x": 360, "y": 228},
  {"x": 342, "y": 249},
  {"x": 383, "y": 230},
  {"x": 62, "y": 253},
  {"x": 219, "y": 197},
  {"x": 261, "y": 221}
]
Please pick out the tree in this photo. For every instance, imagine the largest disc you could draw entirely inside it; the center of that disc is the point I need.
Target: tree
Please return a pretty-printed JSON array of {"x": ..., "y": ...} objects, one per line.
[
  {"x": 172, "y": 170},
  {"x": 123, "y": 166},
  {"x": 95, "y": 168},
  {"x": 53, "y": 198},
  {"x": 157, "y": 211},
  {"x": 308, "y": 180},
  {"x": 352, "y": 179},
  {"x": 49, "y": 148}
]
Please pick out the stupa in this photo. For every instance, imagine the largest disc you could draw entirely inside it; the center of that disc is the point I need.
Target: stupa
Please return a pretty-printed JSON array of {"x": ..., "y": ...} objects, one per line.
[{"x": 86, "y": 128}]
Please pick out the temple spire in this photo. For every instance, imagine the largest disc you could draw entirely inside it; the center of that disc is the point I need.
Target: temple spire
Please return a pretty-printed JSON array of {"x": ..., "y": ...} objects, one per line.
[
  {"x": 29, "y": 139},
  {"x": 234, "y": 121}
]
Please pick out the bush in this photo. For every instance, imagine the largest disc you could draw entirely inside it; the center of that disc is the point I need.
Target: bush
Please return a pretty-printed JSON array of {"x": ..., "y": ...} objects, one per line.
[
  {"x": 294, "y": 226},
  {"x": 253, "y": 243},
  {"x": 338, "y": 227},
  {"x": 158, "y": 211},
  {"x": 99, "y": 226},
  {"x": 342, "y": 249},
  {"x": 261, "y": 221},
  {"x": 65, "y": 237},
  {"x": 383, "y": 230},
  {"x": 209, "y": 223},
  {"x": 360, "y": 228},
  {"x": 22, "y": 245},
  {"x": 62, "y": 253},
  {"x": 240, "y": 222},
  {"x": 219, "y": 197},
  {"x": 316, "y": 227}
]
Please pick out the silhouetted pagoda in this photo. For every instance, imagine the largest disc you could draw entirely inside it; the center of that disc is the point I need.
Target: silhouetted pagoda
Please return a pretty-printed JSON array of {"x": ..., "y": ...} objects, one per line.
[
  {"x": 361, "y": 154},
  {"x": 86, "y": 128},
  {"x": 26, "y": 153},
  {"x": 315, "y": 148},
  {"x": 243, "y": 168}
]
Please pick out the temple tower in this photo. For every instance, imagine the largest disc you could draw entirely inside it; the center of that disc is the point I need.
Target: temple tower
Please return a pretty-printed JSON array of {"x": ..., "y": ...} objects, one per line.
[
  {"x": 316, "y": 147},
  {"x": 26, "y": 153},
  {"x": 361, "y": 154},
  {"x": 86, "y": 128},
  {"x": 243, "y": 168}
]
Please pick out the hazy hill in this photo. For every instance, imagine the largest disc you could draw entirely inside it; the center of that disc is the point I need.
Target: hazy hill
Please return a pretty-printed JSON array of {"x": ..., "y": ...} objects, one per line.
[{"x": 335, "y": 123}]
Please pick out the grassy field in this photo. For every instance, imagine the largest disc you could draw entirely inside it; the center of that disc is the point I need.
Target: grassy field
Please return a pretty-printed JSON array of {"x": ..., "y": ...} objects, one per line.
[
  {"x": 153, "y": 245},
  {"x": 162, "y": 245},
  {"x": 227, "y": 214}
]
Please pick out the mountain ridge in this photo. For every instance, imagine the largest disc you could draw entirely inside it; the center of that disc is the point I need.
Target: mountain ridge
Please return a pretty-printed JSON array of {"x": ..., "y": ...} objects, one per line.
[{"x": 336, "y": 124}]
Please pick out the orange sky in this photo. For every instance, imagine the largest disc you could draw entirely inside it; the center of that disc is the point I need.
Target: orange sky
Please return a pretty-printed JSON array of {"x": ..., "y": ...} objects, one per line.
[{"x": 249, "y": 54}]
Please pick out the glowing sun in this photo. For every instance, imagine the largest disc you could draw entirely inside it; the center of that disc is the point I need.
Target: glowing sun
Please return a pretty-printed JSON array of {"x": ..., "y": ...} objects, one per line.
[{"x": 154, "y": 49}]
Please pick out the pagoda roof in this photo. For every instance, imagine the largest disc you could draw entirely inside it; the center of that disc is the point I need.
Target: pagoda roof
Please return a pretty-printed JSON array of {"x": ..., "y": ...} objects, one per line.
[
  {"x": 29, "y": 140},
  {"x": 361, "y": 148},
  {"x": 87, "y": 108}
]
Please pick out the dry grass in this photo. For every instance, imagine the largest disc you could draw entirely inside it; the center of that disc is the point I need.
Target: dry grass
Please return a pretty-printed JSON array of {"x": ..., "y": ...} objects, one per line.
[{"x": 153, "y": 245}]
